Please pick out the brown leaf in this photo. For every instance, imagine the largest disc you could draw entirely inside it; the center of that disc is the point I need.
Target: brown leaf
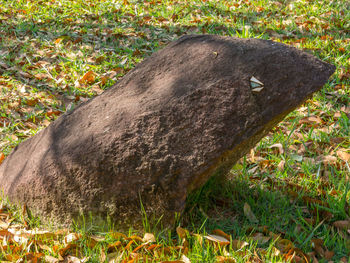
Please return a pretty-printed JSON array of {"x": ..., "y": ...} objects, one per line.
[
  {"x": 32, "y": 102},
  {"x": 311, "y": 120},
  {"x": 100, "y": 59},
  {"x": 260, "y": 238},
  {"x": 219, "y": 232},
  {"x": 328, "y": 159},
  {"x": 317, "y": 245},
  {"x": 217, "y": 239},
  {"x": 284, "y": 245},
  {"x": 329, "y": 254},
  {"x": 104, "y": 80},
  {"x": 24, "y": 74},
  {"x": 41, "y": 76},
  {"x": 342, "y": 224}
]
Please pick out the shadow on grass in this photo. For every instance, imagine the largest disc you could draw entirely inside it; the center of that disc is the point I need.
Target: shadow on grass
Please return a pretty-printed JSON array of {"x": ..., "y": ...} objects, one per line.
[{"x": 220, "y": 205}]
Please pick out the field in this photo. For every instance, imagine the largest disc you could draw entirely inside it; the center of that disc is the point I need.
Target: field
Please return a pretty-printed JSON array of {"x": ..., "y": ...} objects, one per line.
[{"x": 288, "y": 200}]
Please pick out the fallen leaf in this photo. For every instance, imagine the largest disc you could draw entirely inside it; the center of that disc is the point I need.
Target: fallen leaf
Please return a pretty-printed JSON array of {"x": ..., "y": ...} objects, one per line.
[
  {"x": 32, "y": 102},
  {"x": 345, "y": 156},
  {"x": 182, "y": 233},
  {"x": 342, "y": 224},
  {"x": 223, "y": 259},
  {"x": 217, "y": 239},
  {"x": 185, "y": 259},
  {"x": 311, "y": 120},
  {"x": 238, "y": 244},
  {"x": 279, "y": 146},
  {"x": 281, "y": 164},
  {"x": 284, "y": 245},
  {"x": 72, "y": 237},
  {"x": 51, "y": 259},
  {"x": 328, "y": 159},
  {"x": 104, "y": 80},
  {"x": 249, "y": 213},
  {"x": 148, "y": 238},
  {"x": 88, "y": 78},
  {"x": 260, "y": 238},
  {"x": 219, "y": 232},
  {"x": 329, "y": 255},
  {"x": 2, "y": 157}
]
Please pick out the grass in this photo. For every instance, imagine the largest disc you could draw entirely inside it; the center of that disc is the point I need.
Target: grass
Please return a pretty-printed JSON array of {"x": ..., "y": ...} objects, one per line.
[{"x": 57, "y": 54}]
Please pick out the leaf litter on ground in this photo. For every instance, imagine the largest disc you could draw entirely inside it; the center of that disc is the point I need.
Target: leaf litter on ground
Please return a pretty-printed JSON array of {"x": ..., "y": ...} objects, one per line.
[{"x": 57, "y": 54}]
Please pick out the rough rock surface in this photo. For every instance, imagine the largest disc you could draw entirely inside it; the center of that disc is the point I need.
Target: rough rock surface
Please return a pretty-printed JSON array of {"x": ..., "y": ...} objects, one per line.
[{"x": 184, "y": 113}]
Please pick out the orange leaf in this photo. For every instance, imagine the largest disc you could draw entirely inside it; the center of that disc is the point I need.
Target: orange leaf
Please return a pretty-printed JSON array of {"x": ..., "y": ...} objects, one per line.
[
  {"x": 113, "y": 247},
  {"x": 2, "y": 157},
  {"x": 58, "y": 40},
  {"x": 88, "y": 78}
]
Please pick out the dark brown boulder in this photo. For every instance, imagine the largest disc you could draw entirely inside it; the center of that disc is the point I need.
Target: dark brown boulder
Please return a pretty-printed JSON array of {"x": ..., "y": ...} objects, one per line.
[{"x": 189, "y": 110}]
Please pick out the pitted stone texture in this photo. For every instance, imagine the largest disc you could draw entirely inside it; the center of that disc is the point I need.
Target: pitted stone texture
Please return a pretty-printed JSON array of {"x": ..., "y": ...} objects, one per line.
[{"x": 183, "y": 114}]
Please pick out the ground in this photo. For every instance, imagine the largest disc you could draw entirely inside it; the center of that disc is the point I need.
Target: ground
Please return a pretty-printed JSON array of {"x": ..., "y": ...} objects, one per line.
[{"x": 287, "y": 200}]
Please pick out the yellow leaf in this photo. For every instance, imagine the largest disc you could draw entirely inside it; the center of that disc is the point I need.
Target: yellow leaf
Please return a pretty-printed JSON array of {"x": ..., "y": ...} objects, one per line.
[
  {"x": 249, "y": 213},
  {"x": 182, "y": 233},
  {"x": 345, "y": 156},
  {"x": 148, "y": 238}
]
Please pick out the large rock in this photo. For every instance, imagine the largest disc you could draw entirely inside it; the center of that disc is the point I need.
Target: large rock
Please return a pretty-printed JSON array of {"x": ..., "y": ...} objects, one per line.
[{"x": 186, "y": 112}]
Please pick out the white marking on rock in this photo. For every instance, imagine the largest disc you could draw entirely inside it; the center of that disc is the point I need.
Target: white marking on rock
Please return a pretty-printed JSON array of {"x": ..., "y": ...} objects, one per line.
[
  {"x": 258, "y": 89},
  {"x": 256, "y": 81}
]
